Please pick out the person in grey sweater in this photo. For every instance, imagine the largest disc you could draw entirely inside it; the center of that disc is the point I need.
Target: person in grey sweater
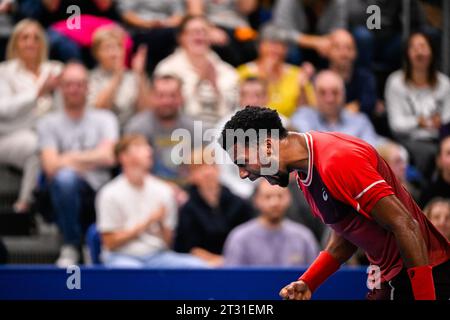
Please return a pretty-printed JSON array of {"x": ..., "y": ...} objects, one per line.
[
  {"x": 76, "y": 148},
  {"x": 158, "y": 123}
]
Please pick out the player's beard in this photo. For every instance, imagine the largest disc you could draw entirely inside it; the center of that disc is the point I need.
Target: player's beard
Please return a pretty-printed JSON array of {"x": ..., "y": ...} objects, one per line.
[
  {"x": 281, "y": 179},
  {"x": 284, "y": 179}
]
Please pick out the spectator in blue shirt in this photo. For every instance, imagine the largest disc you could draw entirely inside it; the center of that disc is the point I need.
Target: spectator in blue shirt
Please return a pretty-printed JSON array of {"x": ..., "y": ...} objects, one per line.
[{"x": 330, "y": 114}]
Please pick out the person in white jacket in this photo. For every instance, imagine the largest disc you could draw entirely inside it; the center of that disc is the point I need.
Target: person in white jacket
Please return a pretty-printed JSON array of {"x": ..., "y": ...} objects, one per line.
[
  {"x": 209, "y": 84},
  {"x": 27, "y": 81},
  {"x": 418, "y": 102}
]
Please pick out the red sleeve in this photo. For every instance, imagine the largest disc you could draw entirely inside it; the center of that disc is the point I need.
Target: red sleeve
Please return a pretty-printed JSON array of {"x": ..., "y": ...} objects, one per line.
[{"x": 354, "y": 180}]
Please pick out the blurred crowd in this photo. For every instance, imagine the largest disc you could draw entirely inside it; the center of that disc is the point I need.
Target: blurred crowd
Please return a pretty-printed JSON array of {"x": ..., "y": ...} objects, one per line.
[{"x": 89, "y": 100}]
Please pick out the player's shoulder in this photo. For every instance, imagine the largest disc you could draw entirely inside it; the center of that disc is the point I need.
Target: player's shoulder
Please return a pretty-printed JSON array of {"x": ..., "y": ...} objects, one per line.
[
  {"x": 330, "y": 143},
  {"x": 334, "y": 149},
  {"x": 325, "y": 139}
]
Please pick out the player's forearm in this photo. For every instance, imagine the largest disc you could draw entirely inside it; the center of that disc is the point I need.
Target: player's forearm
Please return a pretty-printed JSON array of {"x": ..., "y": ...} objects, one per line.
[
  {"x": 411, "y": 244},
  {"x": 340, "y": 248},
  {"x": 337, "y": 251},
  {"x": 390, "y": 213},
  {"x": 415, "y": 257}
]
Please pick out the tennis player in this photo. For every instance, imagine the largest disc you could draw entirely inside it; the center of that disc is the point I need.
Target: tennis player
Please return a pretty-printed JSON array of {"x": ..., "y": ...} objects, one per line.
[{"x": 352, "y": 190}]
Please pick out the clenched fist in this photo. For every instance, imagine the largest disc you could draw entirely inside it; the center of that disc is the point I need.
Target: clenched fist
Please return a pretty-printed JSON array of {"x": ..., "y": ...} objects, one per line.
[{"x": 297, "y": 290}]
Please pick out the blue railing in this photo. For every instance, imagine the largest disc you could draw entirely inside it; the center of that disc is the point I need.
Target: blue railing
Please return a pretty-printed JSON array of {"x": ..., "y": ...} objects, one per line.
[{"x": 48, "y": 282}]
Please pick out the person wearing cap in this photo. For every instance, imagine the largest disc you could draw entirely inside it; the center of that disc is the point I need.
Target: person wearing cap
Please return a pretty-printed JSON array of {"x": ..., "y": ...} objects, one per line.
[{"x": 289, "y": 85}]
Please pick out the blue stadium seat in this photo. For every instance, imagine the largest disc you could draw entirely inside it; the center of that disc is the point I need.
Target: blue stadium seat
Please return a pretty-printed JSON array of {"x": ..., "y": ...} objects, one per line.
[{"x": 94, "y": 244}]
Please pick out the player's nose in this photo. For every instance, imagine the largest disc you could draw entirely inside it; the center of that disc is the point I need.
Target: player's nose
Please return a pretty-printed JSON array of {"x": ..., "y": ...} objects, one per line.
[{"x": 243, "y": 173}]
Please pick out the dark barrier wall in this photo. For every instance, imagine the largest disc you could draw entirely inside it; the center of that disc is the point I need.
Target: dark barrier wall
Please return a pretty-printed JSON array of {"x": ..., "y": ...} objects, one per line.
[{"x": 47, "y": 282}]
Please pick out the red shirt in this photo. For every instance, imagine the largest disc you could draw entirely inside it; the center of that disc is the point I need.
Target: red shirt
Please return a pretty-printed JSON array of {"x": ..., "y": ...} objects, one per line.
[{"x": 346, "y": 177}]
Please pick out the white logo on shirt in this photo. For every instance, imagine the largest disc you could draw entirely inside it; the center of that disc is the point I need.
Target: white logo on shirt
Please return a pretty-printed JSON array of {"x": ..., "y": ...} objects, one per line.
[{"x": 324, "y": 195}]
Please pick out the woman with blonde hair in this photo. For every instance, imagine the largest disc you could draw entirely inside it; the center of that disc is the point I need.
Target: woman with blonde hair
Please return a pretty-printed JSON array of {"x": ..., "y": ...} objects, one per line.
[
  {"x": 111, "y": 85},
  {"x": 27, "y": 83}
]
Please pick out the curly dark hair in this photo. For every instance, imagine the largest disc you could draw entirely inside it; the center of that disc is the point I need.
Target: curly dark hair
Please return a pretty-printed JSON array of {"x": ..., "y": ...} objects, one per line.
[{"x": 252, "y": 118}]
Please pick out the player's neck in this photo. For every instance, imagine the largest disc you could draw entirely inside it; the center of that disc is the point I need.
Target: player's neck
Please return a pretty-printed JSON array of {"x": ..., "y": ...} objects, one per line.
[{"x": 295, "y": 152}]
